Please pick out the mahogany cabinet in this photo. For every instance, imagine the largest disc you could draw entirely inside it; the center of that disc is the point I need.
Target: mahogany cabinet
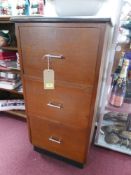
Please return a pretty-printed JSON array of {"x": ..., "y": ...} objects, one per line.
[{"x": 60, "y": 121}]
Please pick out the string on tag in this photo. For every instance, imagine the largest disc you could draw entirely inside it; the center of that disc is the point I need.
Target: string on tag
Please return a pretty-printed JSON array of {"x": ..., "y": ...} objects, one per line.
[{"x": 48, "y": 62}]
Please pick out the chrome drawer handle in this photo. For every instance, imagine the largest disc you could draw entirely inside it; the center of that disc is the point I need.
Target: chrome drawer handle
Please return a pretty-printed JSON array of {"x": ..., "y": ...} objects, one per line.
[
  {"x": 55, "y": 140},
  {"x": 54, "y": 56},
  {"x": 59, "y": 106}
]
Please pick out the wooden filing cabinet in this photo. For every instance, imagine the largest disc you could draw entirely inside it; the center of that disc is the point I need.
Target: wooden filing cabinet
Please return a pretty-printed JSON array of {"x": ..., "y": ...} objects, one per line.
[{"x": 61, "y": 120}]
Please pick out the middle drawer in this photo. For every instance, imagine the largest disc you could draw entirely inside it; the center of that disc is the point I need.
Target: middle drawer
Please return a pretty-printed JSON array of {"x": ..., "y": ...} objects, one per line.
[{"x": 66, "y": 104}]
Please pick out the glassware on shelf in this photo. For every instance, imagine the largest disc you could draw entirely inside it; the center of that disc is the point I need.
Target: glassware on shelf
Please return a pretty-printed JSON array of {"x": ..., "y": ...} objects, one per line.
[
  {"x": 33, "y": 7},
  {"x": 118, "y": 70},
  {"x": 119, "y": 88},
  {"x": 128, "y": 56},
  {"x": 115, "y": 132},
  {"x": 5, "y": 7},
  {"x": 5, "y": 38},
  {"x": 36, "y": 7},
  {"x": 41, "y": 7},
  {"x": 22, "y": 7},
  {"x": 128, "y": 92}
]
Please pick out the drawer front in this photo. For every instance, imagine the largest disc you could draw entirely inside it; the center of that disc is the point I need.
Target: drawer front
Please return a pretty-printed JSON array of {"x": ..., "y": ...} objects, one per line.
[
  {"x": 68, "y": 105},
  {"x": 58, "y": 138},
  {"x": 78, "y": 46}
]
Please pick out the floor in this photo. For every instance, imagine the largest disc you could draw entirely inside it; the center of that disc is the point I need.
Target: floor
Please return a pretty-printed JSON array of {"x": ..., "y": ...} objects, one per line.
[{"x": 17, "y": 156}]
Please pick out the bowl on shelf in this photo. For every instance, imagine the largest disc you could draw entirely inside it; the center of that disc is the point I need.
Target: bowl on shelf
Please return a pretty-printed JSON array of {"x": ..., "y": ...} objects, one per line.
[
  {"x": 4, "y": 38},
  {"x": 78, "y": 7}
]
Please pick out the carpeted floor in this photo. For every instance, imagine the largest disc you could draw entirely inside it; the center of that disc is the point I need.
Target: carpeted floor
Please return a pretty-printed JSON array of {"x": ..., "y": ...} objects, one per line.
[{"x": 18, "y": 158}]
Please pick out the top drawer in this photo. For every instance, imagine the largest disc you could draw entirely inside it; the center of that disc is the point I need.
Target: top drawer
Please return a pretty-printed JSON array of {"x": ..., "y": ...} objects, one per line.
[{"x": 78, "y": 45}]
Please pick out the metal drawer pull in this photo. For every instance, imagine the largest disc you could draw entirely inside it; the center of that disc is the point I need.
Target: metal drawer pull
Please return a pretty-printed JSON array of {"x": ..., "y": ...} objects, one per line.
[
  {"x": 59, "y": 106},
  {"x": 55, "y": 140},
  {"x": 54, "y": 56}
]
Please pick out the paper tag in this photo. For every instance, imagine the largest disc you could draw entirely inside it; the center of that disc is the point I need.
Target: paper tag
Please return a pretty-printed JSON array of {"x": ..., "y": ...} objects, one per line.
[{"x": 48, "y": 76}]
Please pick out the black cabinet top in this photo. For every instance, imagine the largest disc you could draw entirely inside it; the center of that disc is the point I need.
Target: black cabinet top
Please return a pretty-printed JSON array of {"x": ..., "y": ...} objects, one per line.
[{"x": 42, "y": 19}]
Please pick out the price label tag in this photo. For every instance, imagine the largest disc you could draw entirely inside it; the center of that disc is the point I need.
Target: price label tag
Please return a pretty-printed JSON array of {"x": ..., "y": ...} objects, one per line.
[{"x": 48, "y": 77}]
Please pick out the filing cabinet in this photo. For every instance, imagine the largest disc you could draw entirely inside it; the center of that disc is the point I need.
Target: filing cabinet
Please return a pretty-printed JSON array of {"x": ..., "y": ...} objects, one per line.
[{"x": 61, "y": 120}]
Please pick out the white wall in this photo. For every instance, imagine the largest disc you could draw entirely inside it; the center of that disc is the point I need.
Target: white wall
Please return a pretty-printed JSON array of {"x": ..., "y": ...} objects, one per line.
[{"x": 110, "y": 9}]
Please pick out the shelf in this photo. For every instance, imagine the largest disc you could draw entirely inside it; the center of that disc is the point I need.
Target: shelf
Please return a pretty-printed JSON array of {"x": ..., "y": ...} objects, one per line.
[
  {"x": 115, "y": 147},
  {"x": 14, "y": 70},
  {"x": 9, "y": 48},
  {"x": 113, "y": 131},
  {"x": 15, "y": 91},
  {"x": 20, "y": 113},
  {"x": 5, "y": 19},
  {"x": 126, "y": 108}
]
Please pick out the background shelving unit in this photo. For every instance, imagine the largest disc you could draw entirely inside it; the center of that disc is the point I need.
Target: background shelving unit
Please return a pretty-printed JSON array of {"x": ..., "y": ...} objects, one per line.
[
  {"x": 10, "y": 48},
  {"x": 126, "y": 108},
  {"x": 114, "y": 123},
  {"x": 19, "y": 113},
  {"x": 6, "y": 24},
  {"x": 116, "y": 141}
]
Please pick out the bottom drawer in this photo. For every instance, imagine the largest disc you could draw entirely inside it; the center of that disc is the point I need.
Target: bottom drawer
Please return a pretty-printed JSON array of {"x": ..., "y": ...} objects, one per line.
[{"x": 59, "y": 139}]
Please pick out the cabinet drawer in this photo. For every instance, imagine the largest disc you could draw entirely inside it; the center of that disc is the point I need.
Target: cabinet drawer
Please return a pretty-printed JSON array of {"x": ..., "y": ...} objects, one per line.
[
  {"x": 79, "y": 47},
  {"x": 69, "y": 105},
  {"x": 58, "y": 138}
]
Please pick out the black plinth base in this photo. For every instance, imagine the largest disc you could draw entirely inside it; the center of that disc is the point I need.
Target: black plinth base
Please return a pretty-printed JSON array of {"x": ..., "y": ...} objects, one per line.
[{"x": 72, "y": 162}]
